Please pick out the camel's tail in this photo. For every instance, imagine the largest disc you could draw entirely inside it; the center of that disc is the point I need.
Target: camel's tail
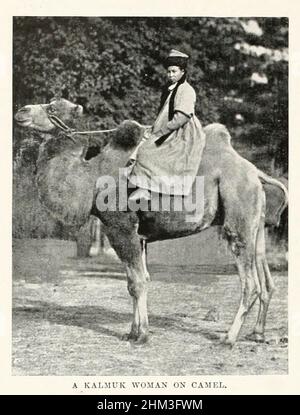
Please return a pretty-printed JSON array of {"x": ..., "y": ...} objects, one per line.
[{"x": 269, "y": 180}]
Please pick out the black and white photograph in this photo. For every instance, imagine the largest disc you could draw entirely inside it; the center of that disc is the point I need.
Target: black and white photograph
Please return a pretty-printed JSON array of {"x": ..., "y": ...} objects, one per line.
[
  {"x": 150, "y": 196},
  {"x": 149, "y": 172}
]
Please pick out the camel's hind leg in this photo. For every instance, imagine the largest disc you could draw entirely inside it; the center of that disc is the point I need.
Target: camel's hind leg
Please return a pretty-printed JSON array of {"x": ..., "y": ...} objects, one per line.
[
  {"x": 266, "y": 283},
  {"x": 249, "y": 288},
  {"x": 241, "y": 231}
]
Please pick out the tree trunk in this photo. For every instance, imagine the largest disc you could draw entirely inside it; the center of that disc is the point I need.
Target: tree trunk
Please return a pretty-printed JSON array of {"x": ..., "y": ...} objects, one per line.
[
  {"x": 84, "y": 239},
  {"x": 97, "y": 238}
]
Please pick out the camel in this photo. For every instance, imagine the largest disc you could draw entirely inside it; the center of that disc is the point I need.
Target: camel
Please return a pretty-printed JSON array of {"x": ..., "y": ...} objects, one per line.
[
  {"x": 234, "y": 198},
  {"x": 70, "y": 113}
]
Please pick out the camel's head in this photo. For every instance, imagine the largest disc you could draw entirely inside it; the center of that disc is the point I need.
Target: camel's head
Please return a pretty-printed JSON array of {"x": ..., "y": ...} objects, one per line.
[{"x": 46, "y": 117}]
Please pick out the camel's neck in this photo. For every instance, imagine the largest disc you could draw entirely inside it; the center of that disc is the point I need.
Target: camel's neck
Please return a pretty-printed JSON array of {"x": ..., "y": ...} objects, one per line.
[
  {"x": 60, "y": 146},
  {"x": 66, "y": 181},
  {"x": 62, "y": 153}
]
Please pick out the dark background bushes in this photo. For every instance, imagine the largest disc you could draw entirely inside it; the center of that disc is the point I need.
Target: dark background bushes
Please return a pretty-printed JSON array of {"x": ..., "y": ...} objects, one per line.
[{"x": 114, "y": 67}]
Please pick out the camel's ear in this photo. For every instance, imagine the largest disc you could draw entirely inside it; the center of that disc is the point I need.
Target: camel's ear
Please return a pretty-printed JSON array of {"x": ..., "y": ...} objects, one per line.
[{"x": 128, "y": 135}]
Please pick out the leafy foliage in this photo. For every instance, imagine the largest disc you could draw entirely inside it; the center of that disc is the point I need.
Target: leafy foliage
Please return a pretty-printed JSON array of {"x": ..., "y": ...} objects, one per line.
[{"x": 113, "y": 66}]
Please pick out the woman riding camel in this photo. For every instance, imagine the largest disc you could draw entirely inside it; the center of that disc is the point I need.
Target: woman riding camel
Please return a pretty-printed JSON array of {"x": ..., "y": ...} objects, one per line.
[{"x": 168, "y": 159}]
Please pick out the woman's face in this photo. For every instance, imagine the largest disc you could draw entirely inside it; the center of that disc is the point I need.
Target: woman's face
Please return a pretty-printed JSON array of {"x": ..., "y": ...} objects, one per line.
[{"x": 175, "y": 73}]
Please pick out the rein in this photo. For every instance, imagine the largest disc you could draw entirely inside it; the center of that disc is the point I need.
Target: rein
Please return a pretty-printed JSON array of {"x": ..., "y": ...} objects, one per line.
[{"x": 70, "y": 132}]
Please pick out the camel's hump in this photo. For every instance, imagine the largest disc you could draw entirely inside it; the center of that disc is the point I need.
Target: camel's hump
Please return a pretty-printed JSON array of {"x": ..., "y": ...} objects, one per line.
[{"x": 217, "y": 136}]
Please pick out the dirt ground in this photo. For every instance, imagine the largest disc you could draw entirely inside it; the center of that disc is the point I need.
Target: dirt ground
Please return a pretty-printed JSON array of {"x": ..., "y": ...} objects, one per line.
[{"x": 69, "y": 316}]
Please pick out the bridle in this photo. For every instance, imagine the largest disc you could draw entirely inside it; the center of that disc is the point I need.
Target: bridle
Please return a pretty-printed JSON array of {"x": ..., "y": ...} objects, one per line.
[{"x": 70, "y": 132}]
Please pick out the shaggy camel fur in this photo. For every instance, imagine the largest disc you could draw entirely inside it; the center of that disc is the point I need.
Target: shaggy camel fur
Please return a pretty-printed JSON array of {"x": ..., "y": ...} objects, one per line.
[{"x": 233, "y": 198}]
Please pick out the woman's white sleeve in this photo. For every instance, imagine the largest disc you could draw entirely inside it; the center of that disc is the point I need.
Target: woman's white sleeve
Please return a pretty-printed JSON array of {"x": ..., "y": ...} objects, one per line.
[
  {"x": 185, "y": 100},
  {"x": 177, "y": 121}
]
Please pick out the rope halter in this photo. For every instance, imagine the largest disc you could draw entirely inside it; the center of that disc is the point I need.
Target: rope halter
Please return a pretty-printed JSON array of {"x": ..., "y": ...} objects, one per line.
[{"x": 70, "y": 132}]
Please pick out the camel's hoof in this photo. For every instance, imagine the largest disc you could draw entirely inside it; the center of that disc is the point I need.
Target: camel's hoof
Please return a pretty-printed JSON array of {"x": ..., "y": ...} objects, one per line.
[
  {"x": 226, "y": 342},
  {"x": 256, "y": 337},
  {"x": 129, "y": 337},
  {"x": 141, "y": 339}
]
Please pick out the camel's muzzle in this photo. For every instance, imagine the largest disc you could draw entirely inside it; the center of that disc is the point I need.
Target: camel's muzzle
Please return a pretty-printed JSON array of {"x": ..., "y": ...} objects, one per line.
[{"x": 23, "y": 117}]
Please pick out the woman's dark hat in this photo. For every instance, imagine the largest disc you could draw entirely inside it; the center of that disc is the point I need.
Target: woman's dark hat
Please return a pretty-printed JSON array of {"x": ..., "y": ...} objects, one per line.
[{"x": 177, "y": 58}]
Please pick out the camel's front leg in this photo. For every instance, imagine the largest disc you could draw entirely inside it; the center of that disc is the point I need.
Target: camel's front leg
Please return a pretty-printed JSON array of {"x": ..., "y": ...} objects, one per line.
[
  {"x": 130, "y": 249},
  {"x": 137, "y": 287}
]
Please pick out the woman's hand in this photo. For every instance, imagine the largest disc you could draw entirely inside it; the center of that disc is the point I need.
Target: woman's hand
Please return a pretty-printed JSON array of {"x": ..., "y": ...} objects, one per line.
[{"x": 147, "y": 133}]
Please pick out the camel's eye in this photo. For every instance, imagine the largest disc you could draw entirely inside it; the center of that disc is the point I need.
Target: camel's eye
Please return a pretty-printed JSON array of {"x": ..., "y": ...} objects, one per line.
[{"x": 51, "y": 109}]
